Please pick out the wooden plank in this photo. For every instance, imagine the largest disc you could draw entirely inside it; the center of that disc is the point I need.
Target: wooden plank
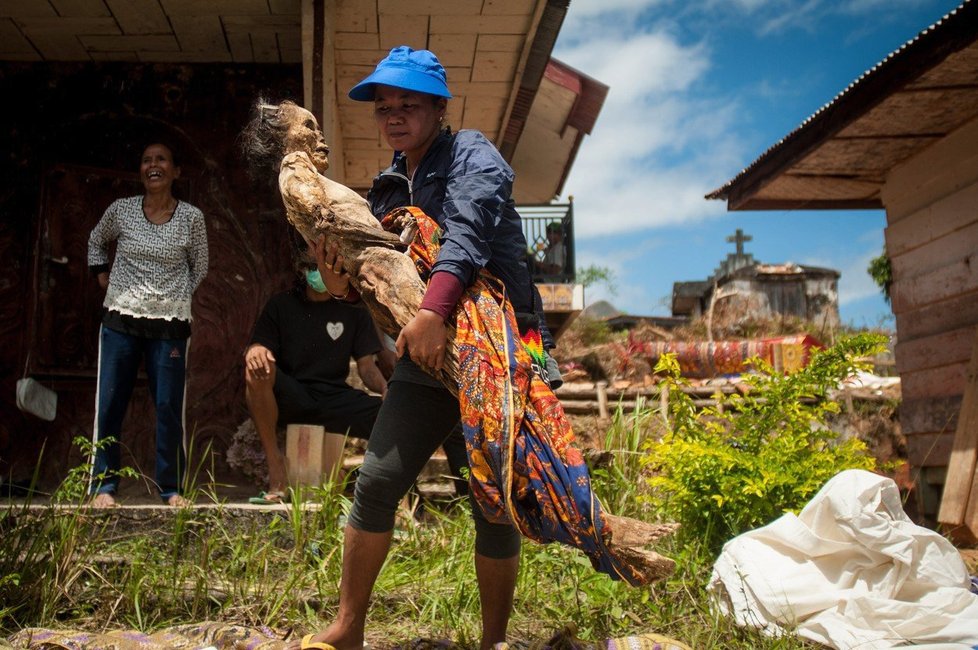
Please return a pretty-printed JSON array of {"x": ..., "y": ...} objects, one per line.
[
  {"x": 480, "y": 24},
  {"x": 240, "y": 44},
  {"x": 453, "y": 49},
  {"x": 24, "y": 8},
  {"x": 409, "y": 30},
  {"x": 14, "y": 46},
  {"x": 948, "y": 314},
  {"x": 929, "y": 414},
  {"x": 265, "y": 47},
  {"x": 68, "y": 26},
  {"x": 957, "y": 502},
  {"x": 936, "y": 252},
  {"x": 455, "y": 8},
  {"x": 58, "y": 47},
  {"x": 933, "y": 221},
  {"x": 199, "y": 33},
  {"x": 938, "y": 350},
  {"x": 945, "y": 381},
  {"x": 291, "y": 53},
  {"x": 456, "y": 74},
  {"x": 929, "y": 449},
  {"x": 151, "y": 56},
  {"x": 510, "y": 7},
  {"x": 261, "y": 24},
  {"x": 215, "y": 7},
  {"x": 357, "y": 41},
  {"x": 938, "y": 171},
  {"x": 131, "y": 43},
  {"x": 291, "y": 7},
  {"x": 118, "y": 56},
  {"x": 139, "y": 16},
  {"x": 456, "y": 113},
  {"x": 957, "y": 277},
  {"x": 495, "y": 66},
  {"x": 360, "y": 57},
  {"x": 68, "y": 8},
  {"x": 356, "y": 16},
  {"x": 500, "y": 42}
]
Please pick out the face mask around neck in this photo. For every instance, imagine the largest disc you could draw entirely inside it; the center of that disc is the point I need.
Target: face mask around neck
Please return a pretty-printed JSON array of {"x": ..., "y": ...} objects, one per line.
[{"x": 315, "y": 281}]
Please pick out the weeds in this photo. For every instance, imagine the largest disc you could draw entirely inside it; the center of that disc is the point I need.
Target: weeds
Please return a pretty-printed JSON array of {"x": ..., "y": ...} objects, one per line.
[{"x": 64, "y": 566}]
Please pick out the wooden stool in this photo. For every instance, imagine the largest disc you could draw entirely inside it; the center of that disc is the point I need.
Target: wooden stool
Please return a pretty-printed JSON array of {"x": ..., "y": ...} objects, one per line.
[{"x": 312, "y": 455}]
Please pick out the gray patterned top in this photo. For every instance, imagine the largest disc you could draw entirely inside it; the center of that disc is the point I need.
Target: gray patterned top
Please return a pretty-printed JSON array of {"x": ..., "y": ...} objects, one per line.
[{"x": 157, "y": 267}]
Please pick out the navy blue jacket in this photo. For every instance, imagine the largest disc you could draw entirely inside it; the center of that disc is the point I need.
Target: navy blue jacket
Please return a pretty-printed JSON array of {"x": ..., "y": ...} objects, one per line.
[{"x": 466, "y": 186}]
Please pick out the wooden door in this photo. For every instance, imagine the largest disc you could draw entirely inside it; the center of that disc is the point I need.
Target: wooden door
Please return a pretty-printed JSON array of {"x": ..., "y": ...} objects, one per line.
[{"x": 67, "y": 300}]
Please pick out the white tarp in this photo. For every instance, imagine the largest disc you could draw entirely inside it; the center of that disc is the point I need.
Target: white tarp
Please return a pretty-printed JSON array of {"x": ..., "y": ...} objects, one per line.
[{"x": 850, "y": 571}]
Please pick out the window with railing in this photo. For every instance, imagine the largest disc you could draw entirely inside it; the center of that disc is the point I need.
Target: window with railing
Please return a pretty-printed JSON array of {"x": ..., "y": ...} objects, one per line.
[{"x": 549, "y": 231}]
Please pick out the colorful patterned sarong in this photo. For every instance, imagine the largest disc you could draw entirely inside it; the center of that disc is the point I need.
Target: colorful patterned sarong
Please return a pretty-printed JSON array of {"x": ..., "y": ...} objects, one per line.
[{"x": 524, "y": 467}]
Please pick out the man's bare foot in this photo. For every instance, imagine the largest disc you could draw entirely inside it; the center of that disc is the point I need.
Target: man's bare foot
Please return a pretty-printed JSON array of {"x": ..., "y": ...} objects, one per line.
[
  {"x": 103, "y": 500},
  {"x": 178, "y": 501}
]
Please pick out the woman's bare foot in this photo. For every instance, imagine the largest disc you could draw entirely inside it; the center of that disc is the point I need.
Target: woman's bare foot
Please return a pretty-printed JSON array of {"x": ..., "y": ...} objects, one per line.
[
  {"x": 178, "y": 501},
  {"x": 103, "y": 500}
]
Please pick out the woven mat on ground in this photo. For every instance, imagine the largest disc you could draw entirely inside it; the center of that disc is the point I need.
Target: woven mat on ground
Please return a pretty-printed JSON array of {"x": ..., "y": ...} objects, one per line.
[{"x": 224, "y": 636}]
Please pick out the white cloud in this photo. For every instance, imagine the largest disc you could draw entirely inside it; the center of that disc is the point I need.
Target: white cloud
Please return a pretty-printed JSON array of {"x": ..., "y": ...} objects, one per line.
[{"x": 658, "y": 146}]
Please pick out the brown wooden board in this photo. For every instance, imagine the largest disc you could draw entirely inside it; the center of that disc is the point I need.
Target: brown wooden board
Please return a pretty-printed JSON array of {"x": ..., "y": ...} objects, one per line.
[{"x": 959, "y": 485}]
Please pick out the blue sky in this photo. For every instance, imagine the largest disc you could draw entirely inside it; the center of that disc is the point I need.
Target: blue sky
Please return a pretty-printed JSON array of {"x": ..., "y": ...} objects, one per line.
[{"x": 698, "y": 90}]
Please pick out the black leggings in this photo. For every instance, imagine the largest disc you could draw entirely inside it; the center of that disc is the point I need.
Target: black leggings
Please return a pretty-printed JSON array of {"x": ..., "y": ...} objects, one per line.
[{"x": 413, "y": 421}]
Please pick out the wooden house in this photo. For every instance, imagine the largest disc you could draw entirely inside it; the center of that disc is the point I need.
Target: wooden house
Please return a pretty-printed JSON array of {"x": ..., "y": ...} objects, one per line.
[
  {"x": 85, "y": 82},
  {"x": 904, "y": 137}
]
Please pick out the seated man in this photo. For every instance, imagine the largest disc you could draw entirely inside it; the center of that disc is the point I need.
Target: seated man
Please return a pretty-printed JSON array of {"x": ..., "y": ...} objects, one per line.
[
  {"x": 555, "y": 256},
  {"x": 297, "y": 364}
]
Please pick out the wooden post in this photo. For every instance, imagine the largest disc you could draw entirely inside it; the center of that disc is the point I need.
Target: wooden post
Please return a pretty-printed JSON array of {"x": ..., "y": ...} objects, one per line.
[
  {"x": 312, "y": 455},
  {"x": 602, "y": 387},
  {"x": 959, "y": 502}
]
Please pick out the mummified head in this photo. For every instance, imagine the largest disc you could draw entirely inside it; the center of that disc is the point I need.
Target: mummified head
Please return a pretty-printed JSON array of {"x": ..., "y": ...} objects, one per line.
[{"x": 279, "y": 129}]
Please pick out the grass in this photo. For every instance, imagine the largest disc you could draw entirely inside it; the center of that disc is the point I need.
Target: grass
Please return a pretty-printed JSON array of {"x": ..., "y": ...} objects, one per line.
[{"x": 67, "y": 567}]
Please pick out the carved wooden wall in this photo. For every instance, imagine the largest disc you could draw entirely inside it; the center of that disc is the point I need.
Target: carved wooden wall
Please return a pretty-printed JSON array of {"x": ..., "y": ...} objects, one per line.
[{"x": 88, "y": 122}]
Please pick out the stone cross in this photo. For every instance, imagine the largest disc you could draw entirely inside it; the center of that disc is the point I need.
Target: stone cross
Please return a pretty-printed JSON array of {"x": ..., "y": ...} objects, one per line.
[{"x": 739, "y": 237}]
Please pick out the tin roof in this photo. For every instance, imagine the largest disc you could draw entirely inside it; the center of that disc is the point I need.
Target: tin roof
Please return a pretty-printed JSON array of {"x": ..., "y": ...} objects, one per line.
[{"x": 839, "y": 157}]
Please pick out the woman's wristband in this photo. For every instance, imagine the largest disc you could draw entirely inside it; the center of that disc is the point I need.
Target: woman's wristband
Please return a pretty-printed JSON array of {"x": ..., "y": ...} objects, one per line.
[
  {"x": 351, "y": 295},
  {"x": 349, "y": 288}
]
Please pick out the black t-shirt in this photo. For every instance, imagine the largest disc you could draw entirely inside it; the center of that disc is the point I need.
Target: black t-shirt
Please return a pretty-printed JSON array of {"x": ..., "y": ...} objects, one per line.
[{"x": 313, "y": 341}]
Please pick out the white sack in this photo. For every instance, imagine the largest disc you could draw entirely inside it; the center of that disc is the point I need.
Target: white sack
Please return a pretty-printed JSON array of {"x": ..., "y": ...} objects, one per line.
[{"x": 851, "y": 570}]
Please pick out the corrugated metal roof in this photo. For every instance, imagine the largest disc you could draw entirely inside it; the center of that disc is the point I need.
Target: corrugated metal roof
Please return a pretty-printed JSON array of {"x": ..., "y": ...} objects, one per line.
[{"x": 860, "y": 95}]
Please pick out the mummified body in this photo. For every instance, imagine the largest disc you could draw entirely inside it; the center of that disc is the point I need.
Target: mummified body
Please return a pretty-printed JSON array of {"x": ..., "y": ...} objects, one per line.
[{"x": 317, "y": 206}]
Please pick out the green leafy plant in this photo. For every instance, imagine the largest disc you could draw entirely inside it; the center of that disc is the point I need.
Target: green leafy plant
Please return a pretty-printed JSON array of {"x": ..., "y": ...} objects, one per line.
[
  {"x": 744, "y": 462},
  {"x": 881, "y": 271},
  {"x": 593, "y": 275}
]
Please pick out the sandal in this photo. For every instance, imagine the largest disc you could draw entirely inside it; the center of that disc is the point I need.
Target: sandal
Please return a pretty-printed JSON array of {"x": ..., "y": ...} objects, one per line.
[
  {"x": 308, "y": 643},
  {"x": 270, "y": 498}
]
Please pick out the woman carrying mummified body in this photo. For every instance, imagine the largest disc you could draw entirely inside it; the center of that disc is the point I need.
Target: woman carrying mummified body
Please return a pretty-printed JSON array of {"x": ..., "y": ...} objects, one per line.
[
  {"x": 419, "y": 412},
  {"x": 465, "y": 224}
]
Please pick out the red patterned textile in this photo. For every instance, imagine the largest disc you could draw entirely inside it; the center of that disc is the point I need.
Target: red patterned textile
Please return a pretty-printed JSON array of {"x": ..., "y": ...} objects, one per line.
[{"x": 709, "y": 359}]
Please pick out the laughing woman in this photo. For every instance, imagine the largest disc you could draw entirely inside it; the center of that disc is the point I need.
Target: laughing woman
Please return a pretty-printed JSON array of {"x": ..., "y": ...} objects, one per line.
[{"x": 160, "y": 260}]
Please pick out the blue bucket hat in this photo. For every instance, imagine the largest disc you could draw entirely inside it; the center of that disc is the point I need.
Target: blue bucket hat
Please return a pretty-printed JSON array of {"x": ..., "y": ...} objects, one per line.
[{"x": 417, "y": 70}]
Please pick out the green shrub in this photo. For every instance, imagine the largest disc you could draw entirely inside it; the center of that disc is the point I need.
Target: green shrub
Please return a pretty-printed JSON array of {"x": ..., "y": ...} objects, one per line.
[{"x": 730, "y": 468}]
